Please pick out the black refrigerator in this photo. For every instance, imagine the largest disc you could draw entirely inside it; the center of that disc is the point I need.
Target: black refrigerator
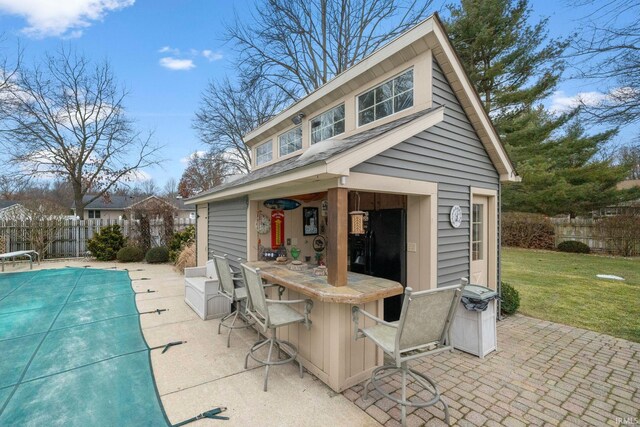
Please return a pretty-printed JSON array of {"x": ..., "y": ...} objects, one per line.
[{"x": 382, "y": 252}]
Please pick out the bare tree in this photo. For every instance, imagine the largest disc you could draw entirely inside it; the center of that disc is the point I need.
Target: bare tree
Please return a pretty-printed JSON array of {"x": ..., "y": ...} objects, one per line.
[
  {"x": 8, "y": 72},
  {"x": 631, "y": 156},
  {"x": 227, "y": 112},
  {"x": 170, "y": 189},
  {"x": 147, "y": 188},
  {"x": 609, "y": 52},
  {"x": 203, "y": 172},
  {"x": 299, "y": 45},
  {"x": 68, "y": 120}
]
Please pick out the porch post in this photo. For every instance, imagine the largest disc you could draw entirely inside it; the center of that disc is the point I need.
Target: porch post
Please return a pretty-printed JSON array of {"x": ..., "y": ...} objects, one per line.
[{"x": 337, "y": 237}]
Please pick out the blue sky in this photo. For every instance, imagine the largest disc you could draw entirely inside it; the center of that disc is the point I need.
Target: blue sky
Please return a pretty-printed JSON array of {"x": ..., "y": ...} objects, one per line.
[{"x": 165, "y": 52}]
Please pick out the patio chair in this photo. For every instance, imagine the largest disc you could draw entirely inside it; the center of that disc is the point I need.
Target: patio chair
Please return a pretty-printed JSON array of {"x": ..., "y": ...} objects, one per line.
[
  {"x": 423, "y": 330},
  {"x": 270, "y": 315},
  {"x": 226, "y": 282}
]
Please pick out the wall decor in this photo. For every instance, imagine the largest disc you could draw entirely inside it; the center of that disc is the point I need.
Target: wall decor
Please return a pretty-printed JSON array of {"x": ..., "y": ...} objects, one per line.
[
  {"x": 455, "y": 216},
  {"x": 310, "y": 221},
  {"x": 277, "y": 229},
  {"x": 281, "y": 204}
]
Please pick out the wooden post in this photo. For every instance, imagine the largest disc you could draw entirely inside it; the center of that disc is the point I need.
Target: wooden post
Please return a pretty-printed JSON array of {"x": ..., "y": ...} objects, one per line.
[{"x": 337, "y": 237}]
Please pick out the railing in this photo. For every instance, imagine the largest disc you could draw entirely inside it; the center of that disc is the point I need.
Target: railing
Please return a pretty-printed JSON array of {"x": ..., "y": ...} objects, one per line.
[{"x": 68, "y": 238}]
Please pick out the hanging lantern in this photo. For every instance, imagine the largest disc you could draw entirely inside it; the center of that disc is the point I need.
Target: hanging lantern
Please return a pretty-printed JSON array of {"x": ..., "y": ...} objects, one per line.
[{"x": 357, "y": 217}]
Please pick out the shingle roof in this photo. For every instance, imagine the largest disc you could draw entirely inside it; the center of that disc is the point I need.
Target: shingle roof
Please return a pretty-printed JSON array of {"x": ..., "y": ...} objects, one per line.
[
  {"x": 317, "y": 153},
  {"x": 117, "y": 202},
  {"x": 7, "y": 203}
]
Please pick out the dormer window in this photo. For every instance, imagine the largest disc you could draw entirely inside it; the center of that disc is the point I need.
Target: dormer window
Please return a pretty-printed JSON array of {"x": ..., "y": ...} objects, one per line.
[
  {"x": 328, "y": 124},
  {"x": 290, "y": 141},
  {"x": 264, "y": 153},
  {"x": 388, "y": 98}
]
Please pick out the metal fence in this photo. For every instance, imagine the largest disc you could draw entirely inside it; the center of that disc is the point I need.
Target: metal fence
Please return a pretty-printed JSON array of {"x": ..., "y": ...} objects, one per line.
[{"x": 68, "y": 238}]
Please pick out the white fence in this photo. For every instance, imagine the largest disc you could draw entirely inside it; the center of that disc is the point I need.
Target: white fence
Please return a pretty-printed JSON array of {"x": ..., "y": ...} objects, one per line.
[{"x": 68, "y": 238}]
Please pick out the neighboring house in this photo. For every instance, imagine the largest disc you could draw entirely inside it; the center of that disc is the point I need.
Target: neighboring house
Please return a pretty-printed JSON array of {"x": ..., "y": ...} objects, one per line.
[
  {"x": 11, "y": 209},
  {"x": 631, "y": 207},
  {"x": 119, "y": 207}
]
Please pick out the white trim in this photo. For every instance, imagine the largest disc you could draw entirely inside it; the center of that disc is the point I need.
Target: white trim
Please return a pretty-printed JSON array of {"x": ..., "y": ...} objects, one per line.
[
  {"x": 492, "y": 232},
  {"x": 389, "y": 184},
  {"x": 399, "y": 43},
  {"x": 374, "y": 87}
]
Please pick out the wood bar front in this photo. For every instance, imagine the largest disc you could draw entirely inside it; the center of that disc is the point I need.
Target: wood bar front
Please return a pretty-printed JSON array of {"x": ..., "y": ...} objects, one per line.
[{"x": 328, "y": 349}]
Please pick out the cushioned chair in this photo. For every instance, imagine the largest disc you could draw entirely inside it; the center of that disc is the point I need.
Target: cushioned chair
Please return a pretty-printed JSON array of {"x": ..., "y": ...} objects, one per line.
[
  {"x": 270, "y": 315},
  {"x": 423, "y": 329}
]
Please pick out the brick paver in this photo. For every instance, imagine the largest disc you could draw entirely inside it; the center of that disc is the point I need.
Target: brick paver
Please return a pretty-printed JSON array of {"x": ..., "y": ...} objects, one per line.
[{"x": 544, "y": 373}]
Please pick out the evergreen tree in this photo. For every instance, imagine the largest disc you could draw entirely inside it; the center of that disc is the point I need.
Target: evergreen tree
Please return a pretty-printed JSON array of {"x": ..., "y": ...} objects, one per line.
[{"x": 514, "y": 67}]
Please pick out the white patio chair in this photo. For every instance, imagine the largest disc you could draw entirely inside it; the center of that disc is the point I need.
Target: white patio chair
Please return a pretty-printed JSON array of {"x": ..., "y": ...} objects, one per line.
[
  {"x": 269, "y": 315},
  {"x": 423, "y": 330}
]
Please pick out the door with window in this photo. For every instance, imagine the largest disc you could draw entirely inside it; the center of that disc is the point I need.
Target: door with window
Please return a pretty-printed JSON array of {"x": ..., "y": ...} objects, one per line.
[{"x": 479, "y": 240}]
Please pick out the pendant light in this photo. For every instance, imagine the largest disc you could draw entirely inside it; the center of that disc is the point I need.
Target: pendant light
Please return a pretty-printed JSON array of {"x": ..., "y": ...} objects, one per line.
[{"x": 357, "y": 217}]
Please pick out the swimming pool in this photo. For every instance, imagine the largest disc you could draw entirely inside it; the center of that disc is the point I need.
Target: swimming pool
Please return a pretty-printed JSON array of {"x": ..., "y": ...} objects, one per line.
[{"x": 72, "y": 351}]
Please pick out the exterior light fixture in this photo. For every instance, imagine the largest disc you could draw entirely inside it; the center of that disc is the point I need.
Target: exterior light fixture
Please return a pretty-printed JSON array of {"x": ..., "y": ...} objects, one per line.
[
  {"x": 357, "y": 217},
  {"x": 297, "y": 119}
]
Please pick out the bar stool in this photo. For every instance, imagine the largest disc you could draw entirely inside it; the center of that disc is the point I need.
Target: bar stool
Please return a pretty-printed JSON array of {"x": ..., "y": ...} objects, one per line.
[
  {"x": 270, "y": 315},
  {"x": 423, "y": 330}
]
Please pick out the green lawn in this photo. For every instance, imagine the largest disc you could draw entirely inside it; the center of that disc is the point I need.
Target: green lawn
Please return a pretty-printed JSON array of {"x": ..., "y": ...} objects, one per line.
[{"x": 563, "y": 288}]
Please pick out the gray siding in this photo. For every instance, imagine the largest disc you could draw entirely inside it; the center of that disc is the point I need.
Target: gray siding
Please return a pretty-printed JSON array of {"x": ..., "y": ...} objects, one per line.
[
  {"x": 228, "y": 229},
  {"x": 452, "y": 155}
]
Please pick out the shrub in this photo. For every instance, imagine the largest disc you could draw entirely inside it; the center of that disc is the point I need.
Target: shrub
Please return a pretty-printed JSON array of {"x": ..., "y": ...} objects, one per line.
[
  {"x": 574, "y": 246},
  {"x": 525, "y": 230},
  {"x": 622, "y": 234},
  {"x": 106, "y": 243},
  {"x": 510, "y": 299},
  {"x": 187, "y": 257},
  {"x": 180, "y": 240},
  {"x": 157, "y": 255},
  {"x": 130, "y": 254}
]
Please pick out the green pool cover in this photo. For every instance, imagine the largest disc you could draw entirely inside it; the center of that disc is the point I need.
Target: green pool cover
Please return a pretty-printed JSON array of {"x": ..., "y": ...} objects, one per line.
[{"x": 72, "y": 352}]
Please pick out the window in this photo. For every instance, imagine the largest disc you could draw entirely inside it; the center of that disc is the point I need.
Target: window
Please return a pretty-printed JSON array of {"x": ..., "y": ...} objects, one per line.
[
  {"x": 476, "y": 233},
  {"x": 290, "y": 141},
  {"x": 93, "y": 214},
  {"x": 388, "y": 98},
  {"x": 327, "y": 124},
  {"x": 264, "y": 153}
]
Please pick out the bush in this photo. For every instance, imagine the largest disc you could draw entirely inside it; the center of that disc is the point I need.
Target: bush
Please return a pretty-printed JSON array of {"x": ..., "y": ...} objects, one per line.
[
  {"x": 106, "y": 243},
  {"x": 130, "y": 254},
  {"x": 510, "y": 299},
  {"x": 180, "y": 240},
  {"x": 621, "y": 233},
  {"x": 187, "y": 258},
  {"x": 157, "y": 255},
  {"x": 574, "y": 246},
  {"x": 525, "y": 230}
]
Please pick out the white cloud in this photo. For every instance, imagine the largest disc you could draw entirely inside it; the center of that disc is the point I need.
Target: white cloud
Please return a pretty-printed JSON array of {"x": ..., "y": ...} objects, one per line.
[
  {"x": 561, "y": 103},
  {"x": 169, "y": 49},
  {"x": 61, "y": 18},
  {"x": 211, "y": 55},
  {"x": 177, "y": 64},
  {"x": 138, "y": 176},
  {"x": 199, "y": 153}
]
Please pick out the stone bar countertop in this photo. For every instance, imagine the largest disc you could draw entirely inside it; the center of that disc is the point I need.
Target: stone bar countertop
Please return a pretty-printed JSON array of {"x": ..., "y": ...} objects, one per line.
[{"x": 359, "y": 290}]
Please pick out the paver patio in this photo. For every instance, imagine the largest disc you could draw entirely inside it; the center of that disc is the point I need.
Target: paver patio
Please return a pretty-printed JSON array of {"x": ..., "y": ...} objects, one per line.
[{"x": 543, "y": 373}]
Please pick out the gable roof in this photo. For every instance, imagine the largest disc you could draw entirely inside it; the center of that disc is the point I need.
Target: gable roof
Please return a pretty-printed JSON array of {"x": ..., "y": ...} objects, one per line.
[
  {"x": 120, "y": 202},
  {"x": 428, "y": 35},
  {"x": 4, "y": 204},
  {"x": 334, "y": 157}
]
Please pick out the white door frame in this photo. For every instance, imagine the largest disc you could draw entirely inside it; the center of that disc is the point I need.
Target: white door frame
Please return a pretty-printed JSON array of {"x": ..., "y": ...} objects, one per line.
[{"x": 492, "y": 233}]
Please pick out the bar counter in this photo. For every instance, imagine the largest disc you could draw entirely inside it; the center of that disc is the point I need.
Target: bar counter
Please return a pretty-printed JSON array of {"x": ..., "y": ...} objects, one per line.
[
  {"x": 328, "y": 349},
  {"x": 360, "y": 289}
]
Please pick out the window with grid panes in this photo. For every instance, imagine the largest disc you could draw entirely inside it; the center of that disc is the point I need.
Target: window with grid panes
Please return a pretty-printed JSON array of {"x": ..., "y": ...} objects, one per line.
[
  {"x": 328, "y": 124},
  {"x": 290, "y": 141},
  {"x": 388, "y": 98},
  {"x": 264, "y": 153}
]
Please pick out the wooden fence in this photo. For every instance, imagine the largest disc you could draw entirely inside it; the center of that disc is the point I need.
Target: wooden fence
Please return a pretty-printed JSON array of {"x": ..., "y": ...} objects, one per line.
[
  {"x": 585, "y": 230},
  {"x": 68, "y": 238}
]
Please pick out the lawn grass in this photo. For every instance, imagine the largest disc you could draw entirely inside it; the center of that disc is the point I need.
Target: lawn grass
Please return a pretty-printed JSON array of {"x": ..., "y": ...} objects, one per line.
[{"x": 563, "y": 288}]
